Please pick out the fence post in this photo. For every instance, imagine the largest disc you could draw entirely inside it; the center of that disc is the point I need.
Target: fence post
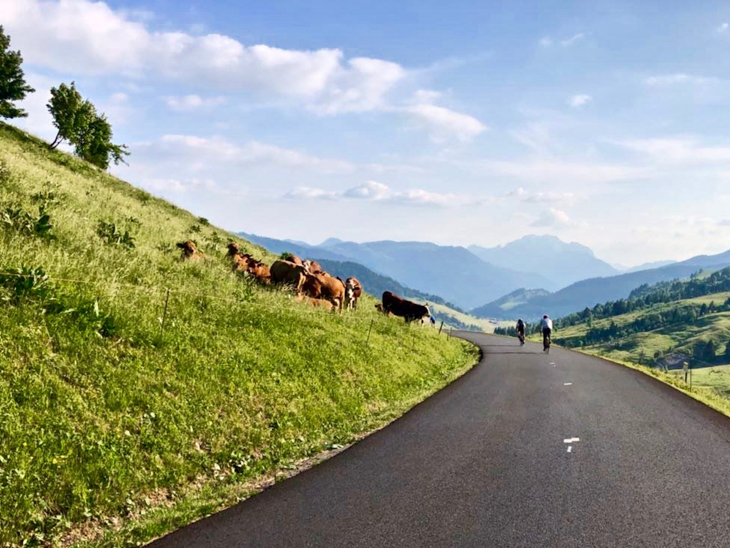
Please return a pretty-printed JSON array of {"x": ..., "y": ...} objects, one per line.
[
  {"x": 164, "y": 313},
  {"x": 367, "y": 342},
  {"x": 450, "y": 330},
  {"x": 441, "y": 326}
]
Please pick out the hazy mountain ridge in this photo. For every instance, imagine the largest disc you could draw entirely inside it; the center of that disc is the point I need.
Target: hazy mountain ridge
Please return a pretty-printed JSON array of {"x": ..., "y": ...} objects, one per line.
[
  {"x": 587, "y": 293},
  {"x": 560, "y": 262}
]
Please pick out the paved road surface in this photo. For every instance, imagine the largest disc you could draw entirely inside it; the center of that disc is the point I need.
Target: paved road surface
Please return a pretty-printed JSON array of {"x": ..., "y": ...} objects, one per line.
[{"x": 485, "y": 463}]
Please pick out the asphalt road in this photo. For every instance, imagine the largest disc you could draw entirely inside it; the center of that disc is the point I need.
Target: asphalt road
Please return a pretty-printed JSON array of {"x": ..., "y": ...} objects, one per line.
[{"x": 487, "y": 462}]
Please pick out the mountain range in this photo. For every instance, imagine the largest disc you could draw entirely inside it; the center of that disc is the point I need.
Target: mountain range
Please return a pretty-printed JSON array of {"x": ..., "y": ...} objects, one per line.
[
  {"x": 587, "y": 293},
  {"x": 559, "y": 262},
  {"x": 452, "y": 272},
  {"x": 524, "y": 278}
]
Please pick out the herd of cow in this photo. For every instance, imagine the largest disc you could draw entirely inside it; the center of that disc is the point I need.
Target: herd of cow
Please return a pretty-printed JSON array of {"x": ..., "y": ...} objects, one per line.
[{"x": 312, "y": 283}]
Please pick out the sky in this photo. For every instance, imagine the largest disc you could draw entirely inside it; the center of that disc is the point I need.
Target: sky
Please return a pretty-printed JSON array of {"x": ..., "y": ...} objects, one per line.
[{"x": 605, "y": 123}]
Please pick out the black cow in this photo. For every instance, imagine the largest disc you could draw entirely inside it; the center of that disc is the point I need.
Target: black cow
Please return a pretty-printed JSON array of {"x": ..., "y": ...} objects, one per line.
[{"x": 407, "y": 310}]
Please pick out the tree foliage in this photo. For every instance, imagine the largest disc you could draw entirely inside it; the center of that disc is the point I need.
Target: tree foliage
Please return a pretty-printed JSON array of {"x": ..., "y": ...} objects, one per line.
[
  {"x": 12, "y": 80},
  {"x": 78, "y": 122}
]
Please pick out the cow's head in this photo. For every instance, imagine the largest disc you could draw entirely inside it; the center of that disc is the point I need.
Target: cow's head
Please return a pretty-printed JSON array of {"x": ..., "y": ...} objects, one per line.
[
  {"x": 233, "y": 248},
  {"x": 188, "y": 248}
]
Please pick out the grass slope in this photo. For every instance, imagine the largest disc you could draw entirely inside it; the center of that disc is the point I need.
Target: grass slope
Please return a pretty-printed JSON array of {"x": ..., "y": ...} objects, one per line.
[
  {"x": 642, "y": 346},
  {"x": 104, "y": 421}
]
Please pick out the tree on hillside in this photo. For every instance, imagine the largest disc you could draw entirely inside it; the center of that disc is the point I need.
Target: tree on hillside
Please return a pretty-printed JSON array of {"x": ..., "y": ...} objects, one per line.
[
  {"x": 71, "y": 113},
  {"x": 12, "y": 80},
  {"x": 78, "y": 122}
]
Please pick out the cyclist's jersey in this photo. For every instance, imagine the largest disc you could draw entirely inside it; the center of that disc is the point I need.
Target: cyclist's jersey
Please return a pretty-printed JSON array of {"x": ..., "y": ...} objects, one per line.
[
  {"x": 546, "y": 323},
  {"x": 520, "y": 326}
]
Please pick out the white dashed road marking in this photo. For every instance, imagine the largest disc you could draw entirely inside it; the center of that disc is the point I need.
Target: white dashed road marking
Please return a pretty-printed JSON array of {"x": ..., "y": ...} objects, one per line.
[
  {"x": 567, "y": 384},
  {"x": 570, "y": 449},
  {"x": 571, "y": 440}
]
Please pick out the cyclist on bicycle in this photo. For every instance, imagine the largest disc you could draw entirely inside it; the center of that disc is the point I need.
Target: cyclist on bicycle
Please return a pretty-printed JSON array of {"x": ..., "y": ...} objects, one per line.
[
  {"x": 546, "y": 325},
  {"x": 520, "y": 328}
]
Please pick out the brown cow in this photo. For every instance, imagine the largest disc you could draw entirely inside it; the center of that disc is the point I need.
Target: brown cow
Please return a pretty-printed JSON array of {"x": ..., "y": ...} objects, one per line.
[
  {"x": 353, "y": 292},
  {"x": 190, "y": 251},
  {"x": 324, "y": 286},
  {"x": 406, "y": 309},
  {"x": 288, "y": 273},
  {"x": 316, "y": 303},
  {"x": 257, "y": 269},
  {"x": 313, "y": 267}
]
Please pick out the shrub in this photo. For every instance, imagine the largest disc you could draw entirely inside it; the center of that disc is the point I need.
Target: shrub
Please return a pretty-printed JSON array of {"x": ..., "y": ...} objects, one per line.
[
  {"x": 27, "y": 283},
  {"x": 113, "y": 236},
  {"x": 16, "y": 218}
]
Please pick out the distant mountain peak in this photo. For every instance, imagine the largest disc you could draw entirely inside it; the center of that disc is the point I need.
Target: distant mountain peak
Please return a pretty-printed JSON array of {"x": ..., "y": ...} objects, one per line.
[{"x": 330, "y": 242}]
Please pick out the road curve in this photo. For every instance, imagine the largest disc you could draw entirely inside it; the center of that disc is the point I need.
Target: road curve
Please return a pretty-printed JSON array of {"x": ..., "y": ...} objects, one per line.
[{"x": 487, "y": 462}]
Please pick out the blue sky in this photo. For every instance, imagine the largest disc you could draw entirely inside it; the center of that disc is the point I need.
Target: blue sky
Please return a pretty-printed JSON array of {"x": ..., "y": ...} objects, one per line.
[{"x": 461, "y": 123}]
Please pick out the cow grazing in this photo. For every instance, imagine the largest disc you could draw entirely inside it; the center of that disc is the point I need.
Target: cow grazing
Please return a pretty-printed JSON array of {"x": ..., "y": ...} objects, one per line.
[
  {"x": 403, "y": 308},
  {"x": 233, "y": 249},
  {"x": 353, "y": 292},
  {"x": 288, "y": 273},
  {"x": 190, "y": 251},
  {"x": 324, "y": 286},
  {"x": 256, "y": 268}
]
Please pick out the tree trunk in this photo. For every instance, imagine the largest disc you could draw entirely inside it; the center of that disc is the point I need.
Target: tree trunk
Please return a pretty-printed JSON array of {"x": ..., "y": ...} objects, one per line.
[{"x": 57, "y": 141}]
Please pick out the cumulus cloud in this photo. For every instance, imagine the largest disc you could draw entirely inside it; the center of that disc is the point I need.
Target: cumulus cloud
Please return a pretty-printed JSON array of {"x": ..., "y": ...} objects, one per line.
[
  {"x": 84, "y": 37},
  {"x": 724, "y": 222},
  {"x": 443, "y": 124},
  {"x": 578, "y": 101},
  {"x": 373, "y": 191},
  {"x": 193, "y": 102},
  {"x": 553, "y": 218},
  {"x": 724, "y": 27}
]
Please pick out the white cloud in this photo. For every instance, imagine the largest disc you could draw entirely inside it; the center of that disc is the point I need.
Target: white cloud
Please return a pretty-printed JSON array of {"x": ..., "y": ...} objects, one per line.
[
  {"x": 724, "y": 27},
  {"x": 678, "y": 78},
  {"x": 193, "y": 102},
  {"x": 578, "y": 101},
  {"x": 551, "y": 170},
  {"x": 177, "y": 185},
  {"x": 679, "y": 150},
  {"x": 543, "y": 197},
  {"x": 572, "y": 40},
  {"x": 374, "y": 191},
  {"x": 84, "y": 37},
  {"x": 201, "y": 153},
  {"x": 371, "y": 190},
  {"x": 547, "y": 41},
  {"x": 444, "y": 124},
  {"x": 554, "y": 218}
]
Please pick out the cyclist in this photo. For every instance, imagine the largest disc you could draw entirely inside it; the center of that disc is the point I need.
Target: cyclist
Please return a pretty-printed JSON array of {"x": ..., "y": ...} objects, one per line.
[
  {"x": 520, "y": 328},
  {"x": 546, "y": 325}
]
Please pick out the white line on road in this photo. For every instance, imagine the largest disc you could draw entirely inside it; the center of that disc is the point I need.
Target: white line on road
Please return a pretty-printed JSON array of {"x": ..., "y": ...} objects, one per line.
[
  {"x": 571, "y": 440},
  {"x": 570, "y": 448},
  {"x": 567, "y": 384}
]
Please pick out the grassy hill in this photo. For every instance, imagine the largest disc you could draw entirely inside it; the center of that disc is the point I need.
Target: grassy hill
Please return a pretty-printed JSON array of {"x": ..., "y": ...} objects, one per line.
[
  {"x": 659, "y": 324},
  {"x": 108, "y": 422},
  {"x": 502, "y": 307}
]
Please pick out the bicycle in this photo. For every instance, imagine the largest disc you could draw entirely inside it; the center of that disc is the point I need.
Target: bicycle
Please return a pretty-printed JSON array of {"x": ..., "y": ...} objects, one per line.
[{"x": 521, "y": 337}]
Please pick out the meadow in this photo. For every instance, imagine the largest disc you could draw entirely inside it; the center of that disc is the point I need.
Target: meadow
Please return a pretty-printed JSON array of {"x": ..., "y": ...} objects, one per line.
[{"x": 115, "y": 428}]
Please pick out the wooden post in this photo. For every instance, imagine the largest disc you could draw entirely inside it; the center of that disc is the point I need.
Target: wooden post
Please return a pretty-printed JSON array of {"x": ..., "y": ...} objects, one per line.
[
  {"x": 164, "y": 313},
  {"x": 369, "y": 330},
  {"x": 441, "y": 326}
]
